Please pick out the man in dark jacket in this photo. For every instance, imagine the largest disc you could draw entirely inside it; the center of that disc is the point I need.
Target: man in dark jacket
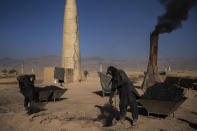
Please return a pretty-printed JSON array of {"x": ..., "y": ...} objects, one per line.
[
  {"x": 127, "y": 92},
  {"x": 26, "y": 85}
]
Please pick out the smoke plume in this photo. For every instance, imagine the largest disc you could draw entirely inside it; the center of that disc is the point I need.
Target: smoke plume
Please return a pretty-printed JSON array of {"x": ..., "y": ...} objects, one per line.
[{"x": 176, "y": 12}]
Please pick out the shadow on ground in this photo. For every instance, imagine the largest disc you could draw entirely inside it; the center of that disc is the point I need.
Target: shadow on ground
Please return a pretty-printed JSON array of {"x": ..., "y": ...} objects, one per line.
[
  {"x": 40, "y": 106},
  {"x": 35, "y": 108},
  {"x": 192, "y": 125},
  {"x": 100, "y": 93},
  {"x": 108, "y": 114}
]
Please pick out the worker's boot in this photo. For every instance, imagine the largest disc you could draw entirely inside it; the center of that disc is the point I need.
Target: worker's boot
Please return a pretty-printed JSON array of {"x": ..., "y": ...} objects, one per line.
[{"x": 122, "y": 115}]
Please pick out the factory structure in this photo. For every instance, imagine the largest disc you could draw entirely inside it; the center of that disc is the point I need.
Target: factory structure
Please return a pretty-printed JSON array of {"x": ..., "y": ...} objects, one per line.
[
  {"x": 70, "y": 41},
  {"x": 70, "y": 70}
]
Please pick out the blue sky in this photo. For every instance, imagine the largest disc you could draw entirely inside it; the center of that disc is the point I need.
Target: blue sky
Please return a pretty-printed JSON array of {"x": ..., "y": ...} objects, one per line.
[{"x": 117, "y": 29}]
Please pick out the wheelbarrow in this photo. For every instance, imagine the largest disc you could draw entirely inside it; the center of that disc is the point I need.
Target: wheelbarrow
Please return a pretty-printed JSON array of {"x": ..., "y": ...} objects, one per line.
[
  {"x": 27, "y": 88},
  {"x": 162, "y": 99},
  {"x": 106, "y": 84},
  {"x": 50, "y": 93}
]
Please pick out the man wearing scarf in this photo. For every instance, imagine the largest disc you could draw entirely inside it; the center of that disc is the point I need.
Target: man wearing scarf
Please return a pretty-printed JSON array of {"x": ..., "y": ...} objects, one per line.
[{"x": 127, "y": 92}]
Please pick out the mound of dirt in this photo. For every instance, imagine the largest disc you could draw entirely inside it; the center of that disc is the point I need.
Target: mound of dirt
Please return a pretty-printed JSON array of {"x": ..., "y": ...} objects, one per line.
[{"x": 165, "y": 92}]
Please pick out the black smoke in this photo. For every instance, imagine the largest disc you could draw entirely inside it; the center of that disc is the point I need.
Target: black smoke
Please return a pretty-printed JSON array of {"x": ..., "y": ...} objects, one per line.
[{"x": 176, "y": 12}]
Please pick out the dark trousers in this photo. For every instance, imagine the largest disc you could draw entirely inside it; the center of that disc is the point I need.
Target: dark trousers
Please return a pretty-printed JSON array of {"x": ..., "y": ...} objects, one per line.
[
  {"x": 26, "y": 101},
  {"x": 128, "y": 99},
  {"x": 29, "y": 96}
]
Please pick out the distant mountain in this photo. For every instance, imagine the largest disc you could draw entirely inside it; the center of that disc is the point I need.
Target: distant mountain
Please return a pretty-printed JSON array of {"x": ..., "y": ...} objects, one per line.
[
  {"x": 93, "y": 63},
  {"x": 37, "y": 64},
  {"x": 9, "y": 63},
  {"x": 140, "y": 64}
]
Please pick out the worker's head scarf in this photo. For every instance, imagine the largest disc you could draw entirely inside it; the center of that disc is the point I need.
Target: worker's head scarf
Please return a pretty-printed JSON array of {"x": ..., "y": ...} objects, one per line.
[{"x": 112, "y": 69}]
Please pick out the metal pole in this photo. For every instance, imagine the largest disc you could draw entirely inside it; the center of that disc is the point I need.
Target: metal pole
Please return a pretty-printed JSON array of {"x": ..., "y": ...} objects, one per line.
[
  {"x": 115, "y": 99},
  {"x": 22, "y": 67}
]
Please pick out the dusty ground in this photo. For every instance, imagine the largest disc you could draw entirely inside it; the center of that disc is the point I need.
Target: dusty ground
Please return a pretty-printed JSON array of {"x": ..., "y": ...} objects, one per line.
[{"x": 79, "y": 111}]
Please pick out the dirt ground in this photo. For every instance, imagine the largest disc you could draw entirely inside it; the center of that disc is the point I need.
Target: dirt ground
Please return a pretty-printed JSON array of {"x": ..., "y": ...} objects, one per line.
[{"x": 81, "y": 109}]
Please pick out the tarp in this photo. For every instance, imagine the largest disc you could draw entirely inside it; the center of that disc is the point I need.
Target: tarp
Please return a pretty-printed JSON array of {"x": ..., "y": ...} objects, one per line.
[{"x": 105, "y": 82}]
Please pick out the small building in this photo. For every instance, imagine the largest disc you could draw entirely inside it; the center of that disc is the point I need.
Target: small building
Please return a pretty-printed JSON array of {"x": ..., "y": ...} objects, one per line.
[{"x": 57, "y": 75}]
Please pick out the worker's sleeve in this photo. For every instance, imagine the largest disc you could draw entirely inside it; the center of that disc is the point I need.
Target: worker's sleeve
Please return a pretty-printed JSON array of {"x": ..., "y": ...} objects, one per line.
[{"x": 113, "y": 89}]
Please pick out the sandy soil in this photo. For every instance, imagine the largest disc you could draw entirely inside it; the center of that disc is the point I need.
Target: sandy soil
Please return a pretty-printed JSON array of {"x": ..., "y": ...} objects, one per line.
[{"x": 79, "y": 110}]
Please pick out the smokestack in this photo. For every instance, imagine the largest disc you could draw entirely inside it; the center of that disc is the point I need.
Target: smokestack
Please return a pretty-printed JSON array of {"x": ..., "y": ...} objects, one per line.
[
  {"x": 154, "y": 37},
  {"x": 70, "y": 42},
  {"x": 176, "y": 12}
]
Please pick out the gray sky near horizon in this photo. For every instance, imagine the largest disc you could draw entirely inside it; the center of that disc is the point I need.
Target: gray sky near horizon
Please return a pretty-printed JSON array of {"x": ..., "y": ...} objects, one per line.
[{"x": 115, "y": 29}]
